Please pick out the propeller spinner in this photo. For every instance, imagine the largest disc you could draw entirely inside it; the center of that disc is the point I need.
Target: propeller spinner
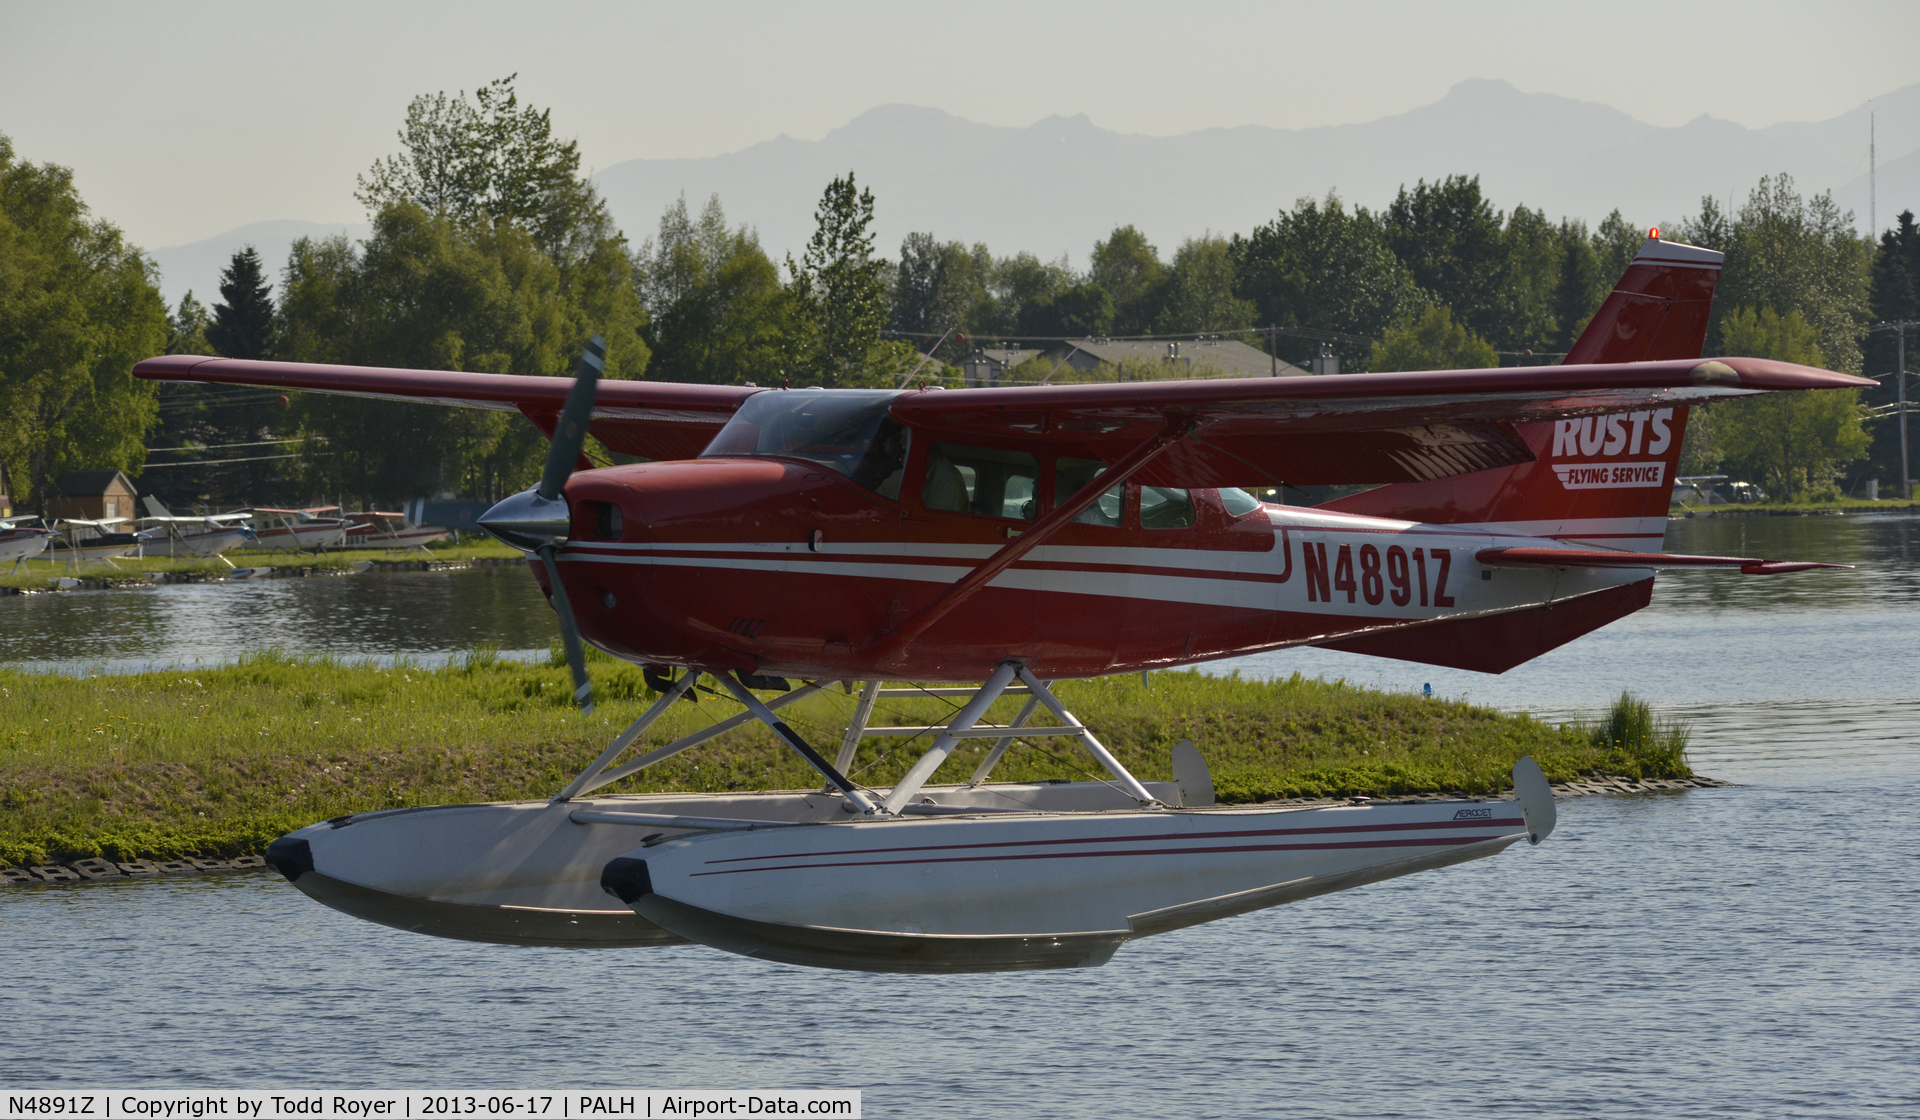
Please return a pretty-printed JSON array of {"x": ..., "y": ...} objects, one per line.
[{"x": 536, "y": 520}]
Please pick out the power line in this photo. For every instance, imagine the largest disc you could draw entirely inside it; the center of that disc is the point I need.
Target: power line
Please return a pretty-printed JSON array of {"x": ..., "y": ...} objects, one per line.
[
  {"x": 218, "y": 462},
  {"x": 224, "y": 446}
]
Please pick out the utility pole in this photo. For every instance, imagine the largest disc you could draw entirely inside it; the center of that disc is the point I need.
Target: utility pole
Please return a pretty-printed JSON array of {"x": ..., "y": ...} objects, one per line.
[
  {"x": 1873, "y": 189},
  {"x": 1900, "y": 372}
]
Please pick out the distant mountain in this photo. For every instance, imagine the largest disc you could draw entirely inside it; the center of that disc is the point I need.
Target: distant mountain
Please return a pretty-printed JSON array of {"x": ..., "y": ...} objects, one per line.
[
  {"x": 197, "y": 266},
  {"x": 1058, "y": 186}
]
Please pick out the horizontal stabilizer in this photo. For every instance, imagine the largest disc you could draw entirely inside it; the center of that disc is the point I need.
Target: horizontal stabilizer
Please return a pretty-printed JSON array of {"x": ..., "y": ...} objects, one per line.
[{"x": 1608, "y": 558}]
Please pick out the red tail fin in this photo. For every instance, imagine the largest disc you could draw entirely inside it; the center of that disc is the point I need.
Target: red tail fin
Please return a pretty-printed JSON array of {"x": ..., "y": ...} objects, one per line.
[{"x": 1605, "y": 480}]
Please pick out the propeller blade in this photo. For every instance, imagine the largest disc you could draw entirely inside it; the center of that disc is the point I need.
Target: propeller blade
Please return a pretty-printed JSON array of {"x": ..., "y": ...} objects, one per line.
[
  {"x": 569, "y": 631},
  {"x": 570, "y": 434}
]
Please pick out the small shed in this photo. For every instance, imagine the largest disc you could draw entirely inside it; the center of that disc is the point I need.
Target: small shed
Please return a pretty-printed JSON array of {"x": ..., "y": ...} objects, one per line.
[{"x": 93, "y": 496}]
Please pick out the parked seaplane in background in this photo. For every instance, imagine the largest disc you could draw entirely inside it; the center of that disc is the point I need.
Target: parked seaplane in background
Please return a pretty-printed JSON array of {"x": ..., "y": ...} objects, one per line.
[
  {"x": 78, "y": 542},
  {"x": 20, "y": 543},
  {"x": 191, "y": 537},
  {"x": 296, "y": 530},
  {"x": 392, "y": 531},
  {"x": 1015, "y": 537}
]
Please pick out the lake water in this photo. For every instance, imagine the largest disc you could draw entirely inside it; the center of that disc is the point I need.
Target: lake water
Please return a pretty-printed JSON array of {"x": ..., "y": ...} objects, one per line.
[{"x": 1745, "y": 951}]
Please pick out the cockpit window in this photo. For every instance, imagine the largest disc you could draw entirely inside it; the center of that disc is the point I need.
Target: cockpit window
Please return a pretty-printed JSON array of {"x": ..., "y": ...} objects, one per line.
[{"x": 844, "y": 430}]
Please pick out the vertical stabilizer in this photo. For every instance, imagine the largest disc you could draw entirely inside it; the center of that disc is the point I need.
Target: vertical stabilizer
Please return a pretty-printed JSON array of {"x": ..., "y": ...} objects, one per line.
[{"x": 1600, "y": 480}]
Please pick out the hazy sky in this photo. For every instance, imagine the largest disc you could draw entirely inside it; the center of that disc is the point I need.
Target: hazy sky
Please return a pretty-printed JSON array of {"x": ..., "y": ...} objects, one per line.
[{"x": 182, "y": 120}]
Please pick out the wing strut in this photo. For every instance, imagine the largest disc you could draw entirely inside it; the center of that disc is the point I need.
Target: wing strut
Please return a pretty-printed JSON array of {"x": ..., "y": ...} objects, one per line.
[{"x": 889, "y": 645}]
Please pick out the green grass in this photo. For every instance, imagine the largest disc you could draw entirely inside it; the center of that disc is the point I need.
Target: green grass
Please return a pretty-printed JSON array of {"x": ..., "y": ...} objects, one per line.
[
  {"x": 220, "y": 761},
  {"x": 39, "y": 572}
]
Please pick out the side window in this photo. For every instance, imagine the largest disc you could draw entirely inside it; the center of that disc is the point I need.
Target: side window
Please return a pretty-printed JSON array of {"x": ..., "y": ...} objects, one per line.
[
  {"x": 1070, "y": 475},
  {"x": 885, "y": 462},
  {"x": 981, "y": 480},
  {"x": 1162, "y": 508},
  {"x": 1238, "y": 502}
]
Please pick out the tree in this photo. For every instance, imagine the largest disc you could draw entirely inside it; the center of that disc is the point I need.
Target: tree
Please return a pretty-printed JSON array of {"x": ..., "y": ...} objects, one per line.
[
  {"x": 1323, "y": 267},
  {"x": 1451, "y": 239},
  {"x": 187, "y": 327},
  {"x": 78, "y": 307},
  {"x": 195, "y": 416},
  {"x": 491, "y": 160},
  {"x": 1128, "y": 267},
  {"x": 428, "y": 291},
  {"x": 839, "y": 291},
  {"x": 1432, "y": 341},
  {"x": 1200, "y": 291},
  {"x": 1794, "y": 443},
  {"x": 243, "y": 326},
  {"x": 1894, "y": 296},
  {"x": 1793, "y": 254},
  {"x": 1578, "y": 289},
  {"x": 1082, "y": 310},
  {"x": 714, "y": 303}
]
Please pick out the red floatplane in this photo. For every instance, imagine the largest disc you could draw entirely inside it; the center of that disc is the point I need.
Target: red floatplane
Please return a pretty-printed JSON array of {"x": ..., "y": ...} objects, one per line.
[{"x": 1016, "y": 537}]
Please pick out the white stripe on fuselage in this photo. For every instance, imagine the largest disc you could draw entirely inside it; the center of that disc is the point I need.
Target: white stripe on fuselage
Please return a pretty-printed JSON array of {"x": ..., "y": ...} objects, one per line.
[{"x": 1274, "y": 580}]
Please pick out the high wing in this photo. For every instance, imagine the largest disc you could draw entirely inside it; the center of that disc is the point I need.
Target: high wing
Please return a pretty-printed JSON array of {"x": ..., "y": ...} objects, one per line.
[
  {"x": 651, "y": 419},
  {"x": 1357, "y": 428}
]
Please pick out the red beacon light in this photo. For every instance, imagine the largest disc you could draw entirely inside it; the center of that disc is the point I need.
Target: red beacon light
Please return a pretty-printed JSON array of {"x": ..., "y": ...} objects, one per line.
[{"x": 1654, "y": 233}]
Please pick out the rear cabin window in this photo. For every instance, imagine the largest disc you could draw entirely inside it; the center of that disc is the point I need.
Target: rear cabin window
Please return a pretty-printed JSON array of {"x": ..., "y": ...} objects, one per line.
[
  {"x": 1071, "y": 475},
  {"x": 981, "y": 480},
  {"x": 1164, "y": 508}
]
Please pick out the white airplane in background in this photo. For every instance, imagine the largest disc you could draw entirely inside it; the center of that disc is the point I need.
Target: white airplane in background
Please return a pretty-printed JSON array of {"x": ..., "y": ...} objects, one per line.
[
  {"x": 100, "y": 546},
  {"x": 19, "y": 543},
  {"x": 195, "y": 537}
]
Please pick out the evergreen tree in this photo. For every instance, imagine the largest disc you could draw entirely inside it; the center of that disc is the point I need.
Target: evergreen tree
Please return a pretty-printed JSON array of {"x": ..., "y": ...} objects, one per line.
[
  {"x": 1579, "y": 289},
  {"x": 1894, "y": 298},
  {"x": 243, "y": 326},
  {"x": 839, "y": 291}
]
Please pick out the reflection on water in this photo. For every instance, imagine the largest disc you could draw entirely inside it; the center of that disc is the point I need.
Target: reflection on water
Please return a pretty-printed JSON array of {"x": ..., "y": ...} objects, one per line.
[{"x": 419, "y": 615}]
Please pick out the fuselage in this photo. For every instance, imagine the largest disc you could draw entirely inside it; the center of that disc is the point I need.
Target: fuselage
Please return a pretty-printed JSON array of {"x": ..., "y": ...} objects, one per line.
[{"x": 781, "y": 566}]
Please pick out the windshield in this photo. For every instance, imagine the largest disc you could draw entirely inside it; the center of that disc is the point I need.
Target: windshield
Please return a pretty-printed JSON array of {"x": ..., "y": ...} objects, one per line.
[{"x": 844, "y": 430}]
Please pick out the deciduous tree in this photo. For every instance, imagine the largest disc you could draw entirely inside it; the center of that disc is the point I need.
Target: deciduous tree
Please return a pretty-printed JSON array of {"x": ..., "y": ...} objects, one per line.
[
  {"x": 78, "y": 307},
  {"x": 715, "y": 309},
  {"x": 1794, "y": 444},
  {"x": 1128, "y": 267},
  {"x": 1324, "y": 267},
  {"x": 1431, "y": 341},
  {"x": 1200, "y": 290}
]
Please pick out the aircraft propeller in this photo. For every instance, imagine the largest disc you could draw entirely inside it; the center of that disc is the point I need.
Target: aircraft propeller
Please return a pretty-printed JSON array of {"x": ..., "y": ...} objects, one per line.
[{"x": 537, "y": 520}]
